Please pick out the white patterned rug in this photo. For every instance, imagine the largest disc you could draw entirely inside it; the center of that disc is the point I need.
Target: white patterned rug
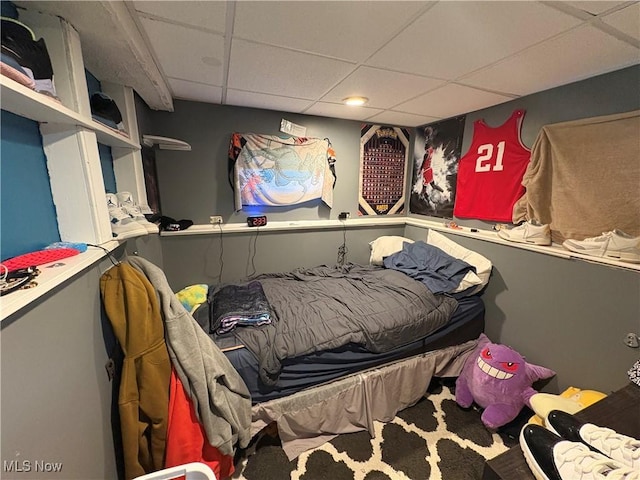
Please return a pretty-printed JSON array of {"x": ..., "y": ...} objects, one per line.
[{"x": 435, "y": 440}]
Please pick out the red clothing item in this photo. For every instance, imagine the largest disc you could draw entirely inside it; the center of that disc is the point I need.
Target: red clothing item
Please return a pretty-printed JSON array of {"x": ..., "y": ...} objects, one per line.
[
  {"x": 490, "y": 173},
  {"x": 186, "y": 440}
]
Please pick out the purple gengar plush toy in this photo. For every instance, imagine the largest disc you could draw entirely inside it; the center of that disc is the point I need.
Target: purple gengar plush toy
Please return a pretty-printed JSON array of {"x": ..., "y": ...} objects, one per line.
[{"x": 498, "y": 379}]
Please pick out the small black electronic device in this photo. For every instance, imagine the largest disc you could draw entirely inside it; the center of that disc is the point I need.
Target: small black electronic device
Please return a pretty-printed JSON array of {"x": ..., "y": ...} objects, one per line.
[{"x": 257, "y": 221}]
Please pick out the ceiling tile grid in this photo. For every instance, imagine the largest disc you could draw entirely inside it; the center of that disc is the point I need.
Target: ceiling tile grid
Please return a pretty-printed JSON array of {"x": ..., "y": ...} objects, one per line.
[
  {"x": 346, "y": 30},
  {"x": 414, "y": 60},
  {"x": 383, "y": 88},
  {"x": 241, "y": 98},
  {"x": 279, "y": 71},
  {"x": 455, "y": 38},
  {"x": 184, "y": 60},
  {"x": 185, "y": 90},
  {"x": 206, "y": 15},
  {"x": 452, "y": 100},
  {"x": 627, "y": 20},
  {"x": 576, "y": 55}
]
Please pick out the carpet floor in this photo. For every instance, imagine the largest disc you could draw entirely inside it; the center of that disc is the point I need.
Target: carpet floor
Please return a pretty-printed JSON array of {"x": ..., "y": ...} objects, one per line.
[{"x": 433, "y": 440}]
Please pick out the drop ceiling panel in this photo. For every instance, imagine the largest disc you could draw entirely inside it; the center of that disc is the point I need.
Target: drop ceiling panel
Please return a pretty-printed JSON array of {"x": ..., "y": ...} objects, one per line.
[
  {"x": 452, "y": 100},
  {"x": 595, "y": 7},
  {"x": 582, "y": 53},
  {"x": 383, "y": 88},
  {"x": 186, "y": 53},
  {"x": 626, "y": 20},
  {"x": 264, "y": 69},
  {"x": 268, "y": 102},
  {"x": 197, "y": 92},
  {"x": 309, "y": 49},
  {"x": 455, "y": 38},
  {"x": 346, "y": 30},
  {"x": 208, "y": 15},
  {"x": 401, "y": 119},
  {"x": 341, "y": 111}
]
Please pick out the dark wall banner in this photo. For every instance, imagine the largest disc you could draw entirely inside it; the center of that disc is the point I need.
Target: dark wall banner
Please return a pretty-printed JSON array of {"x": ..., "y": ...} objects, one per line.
[
  {"x": 436, "y": 154},
  {"x": 384, "y": 154}
]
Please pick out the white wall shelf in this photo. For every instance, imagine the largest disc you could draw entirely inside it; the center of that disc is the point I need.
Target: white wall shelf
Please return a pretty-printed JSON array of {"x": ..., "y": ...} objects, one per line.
[
  {"x": 70, "y": 138},
  {"x": 367, "y": 222},
  {"x": 23, "y": 101},
  {"x": 227, "y": 228},
  {"x": 51, "y": 275}
]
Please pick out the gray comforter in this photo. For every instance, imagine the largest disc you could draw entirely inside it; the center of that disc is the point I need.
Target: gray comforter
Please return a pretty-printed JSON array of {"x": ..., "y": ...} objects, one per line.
[{"x": 327, "y": 307}]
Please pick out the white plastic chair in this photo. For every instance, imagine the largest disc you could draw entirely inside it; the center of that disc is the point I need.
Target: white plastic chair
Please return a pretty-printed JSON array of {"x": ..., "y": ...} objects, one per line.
[{"x": 191, "y": 471}]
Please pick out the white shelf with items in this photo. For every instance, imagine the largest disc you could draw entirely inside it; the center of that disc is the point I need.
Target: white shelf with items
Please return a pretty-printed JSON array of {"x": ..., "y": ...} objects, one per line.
[
  {"x": 51, "y": 275},
  {"x": 70, "y": 140},
  {"x": 23, "y": 101},
  {"x": 554, "y": 250}
]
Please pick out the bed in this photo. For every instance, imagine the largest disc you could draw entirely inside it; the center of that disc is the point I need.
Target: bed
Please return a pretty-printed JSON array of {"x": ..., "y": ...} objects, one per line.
[
  {"x": 384, "y": 335},
  {"x": 305, "y": 371}
]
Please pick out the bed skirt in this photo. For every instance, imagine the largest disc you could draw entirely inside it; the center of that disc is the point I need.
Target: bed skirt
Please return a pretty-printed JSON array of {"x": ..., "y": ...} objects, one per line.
[{"x": 309, "y": 418}]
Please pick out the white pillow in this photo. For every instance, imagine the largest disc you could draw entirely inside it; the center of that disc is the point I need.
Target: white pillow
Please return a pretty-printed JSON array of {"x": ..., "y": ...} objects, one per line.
[
  {"x": 384, "y": 246},
  {"x": 483, "y": 265},
  {"x": 469, "y": 280}
]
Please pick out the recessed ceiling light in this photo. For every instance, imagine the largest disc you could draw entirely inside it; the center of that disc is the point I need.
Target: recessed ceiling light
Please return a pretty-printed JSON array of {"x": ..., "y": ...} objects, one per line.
[{"x": 355, "y": 101}]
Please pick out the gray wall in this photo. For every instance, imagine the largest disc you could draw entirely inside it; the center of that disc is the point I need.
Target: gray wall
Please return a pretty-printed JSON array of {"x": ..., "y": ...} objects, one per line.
[
  {"x": 194, "y": 185},
  {"x": 606, "y": 94},
  {"x": 196, "y": 259},
  {"x": 568, "y": 315},
  {"x": 56, "y": 397},
  {"x": 614, "y": 92}
]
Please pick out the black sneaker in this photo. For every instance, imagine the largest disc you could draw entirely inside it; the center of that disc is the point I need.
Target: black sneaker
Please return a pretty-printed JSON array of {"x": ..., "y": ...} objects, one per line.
[
  {"x": 551, "y": 457},
  {"x": 604, "y": 440}
]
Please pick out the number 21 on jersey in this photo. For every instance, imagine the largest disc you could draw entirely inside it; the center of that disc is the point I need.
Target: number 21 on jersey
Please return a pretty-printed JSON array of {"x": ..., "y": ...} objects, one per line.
[{"x": 485, "y": 162}]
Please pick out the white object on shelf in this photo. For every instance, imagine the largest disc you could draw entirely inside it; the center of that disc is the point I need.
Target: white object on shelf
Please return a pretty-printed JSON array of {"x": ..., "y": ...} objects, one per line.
[{"x": 165, "y": 143}]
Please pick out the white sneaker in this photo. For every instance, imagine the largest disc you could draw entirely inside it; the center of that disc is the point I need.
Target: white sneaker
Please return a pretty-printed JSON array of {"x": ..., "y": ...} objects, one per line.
[
  {"x": 551, "y": 457},
  {"x": 530, "y": 232},
  {"x": 614, "y": 445},
  {"x": 613, "y": 244},
  {"x": 122, "y": 224},
  {"x": 125, "y": 199}
]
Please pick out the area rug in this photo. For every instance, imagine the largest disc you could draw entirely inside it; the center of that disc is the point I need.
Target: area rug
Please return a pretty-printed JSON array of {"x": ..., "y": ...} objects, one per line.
[{"x": 433, "y": 440}]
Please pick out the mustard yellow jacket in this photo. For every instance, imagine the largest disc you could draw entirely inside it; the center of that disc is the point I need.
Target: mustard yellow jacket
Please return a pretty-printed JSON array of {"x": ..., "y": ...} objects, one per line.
[{"x": 132, "y": 307}]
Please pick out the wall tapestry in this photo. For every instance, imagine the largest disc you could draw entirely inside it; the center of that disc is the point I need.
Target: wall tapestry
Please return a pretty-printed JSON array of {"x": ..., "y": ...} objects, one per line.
[
  {"x": 436, "y": 155},
  {"x": 384, "y": 152},
  {"x": 275, "y": 171}
]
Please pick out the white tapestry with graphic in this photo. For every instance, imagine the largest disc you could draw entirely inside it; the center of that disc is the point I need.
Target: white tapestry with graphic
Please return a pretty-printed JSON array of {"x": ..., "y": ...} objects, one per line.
[{"x": 274, "y": 171}]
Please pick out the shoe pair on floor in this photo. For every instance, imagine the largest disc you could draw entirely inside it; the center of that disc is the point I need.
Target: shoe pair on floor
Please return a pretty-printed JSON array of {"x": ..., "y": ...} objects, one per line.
[
  {"x": 614, "y": 244},
  {"x": 574, "y": 450},
  {"x": 127, "y": 220}
]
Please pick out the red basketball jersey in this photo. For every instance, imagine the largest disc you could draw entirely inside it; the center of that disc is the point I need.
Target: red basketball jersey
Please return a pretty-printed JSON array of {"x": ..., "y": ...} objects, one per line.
[{"x": 490, "y": 173}]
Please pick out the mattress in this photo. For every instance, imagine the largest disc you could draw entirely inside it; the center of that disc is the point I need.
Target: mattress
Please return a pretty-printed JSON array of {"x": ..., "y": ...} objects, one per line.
[{"x": 318, "y": 368}]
